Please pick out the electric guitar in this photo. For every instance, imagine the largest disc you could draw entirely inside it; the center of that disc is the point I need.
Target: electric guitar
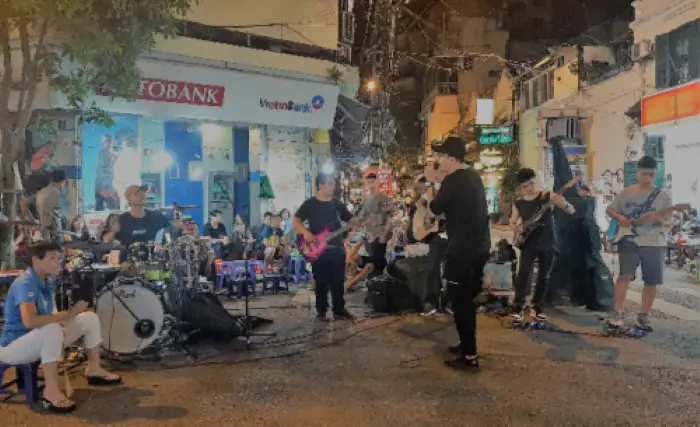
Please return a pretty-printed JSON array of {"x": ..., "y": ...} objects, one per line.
[
  {"x": 625, "y": 232},
  {"x": 314, "y": 249},
  {"x": 534, "y": 223}
]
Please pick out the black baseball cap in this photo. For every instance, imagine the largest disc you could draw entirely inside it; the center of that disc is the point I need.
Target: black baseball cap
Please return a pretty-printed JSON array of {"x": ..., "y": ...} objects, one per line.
[
  {"x": 453, "y": 147},
  {"x": 371, "y": 175},
  {"x": 647, "y": 162}
]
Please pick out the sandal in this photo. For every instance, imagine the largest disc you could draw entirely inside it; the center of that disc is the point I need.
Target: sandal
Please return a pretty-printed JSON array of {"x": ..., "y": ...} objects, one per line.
[
  {"x": 49, "y": 406},
  {"x": 103, "y": 381}
]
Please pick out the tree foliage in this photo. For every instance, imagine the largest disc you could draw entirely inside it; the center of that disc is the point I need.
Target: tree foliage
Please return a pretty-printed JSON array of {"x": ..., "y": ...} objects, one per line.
[{"x": 77, "y": 47}]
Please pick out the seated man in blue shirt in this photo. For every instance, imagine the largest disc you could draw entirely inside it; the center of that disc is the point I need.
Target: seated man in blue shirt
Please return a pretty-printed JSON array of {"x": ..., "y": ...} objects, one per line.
[{"x": 35, "y": 331}]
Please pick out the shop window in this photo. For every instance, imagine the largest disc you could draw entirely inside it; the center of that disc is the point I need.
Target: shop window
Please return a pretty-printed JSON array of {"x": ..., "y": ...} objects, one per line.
[
  {"x": 678, "y": 56},
  {"x": 654, "y": 146}
]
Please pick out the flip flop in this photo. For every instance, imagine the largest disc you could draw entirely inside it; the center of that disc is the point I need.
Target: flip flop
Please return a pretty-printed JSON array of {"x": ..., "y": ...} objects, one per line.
[
  {"x": 103, "y": 381},
  {"x": 47, "y": 405}
]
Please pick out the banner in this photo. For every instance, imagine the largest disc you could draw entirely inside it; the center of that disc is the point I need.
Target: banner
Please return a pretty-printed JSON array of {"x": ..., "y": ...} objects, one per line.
[{"x": 385, "y": 178}]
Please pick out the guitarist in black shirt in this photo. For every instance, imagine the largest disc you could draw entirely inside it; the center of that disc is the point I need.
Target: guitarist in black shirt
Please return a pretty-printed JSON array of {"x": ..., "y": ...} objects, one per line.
[
  {"x": 319, "y": 213},
  {"x": 540, "y": 244}
]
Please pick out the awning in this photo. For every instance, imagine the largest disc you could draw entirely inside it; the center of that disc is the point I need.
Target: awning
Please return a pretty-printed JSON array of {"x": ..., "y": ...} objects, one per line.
[
  {"x": 635, "y": 111},
  {"x": 350, "y": 117}
]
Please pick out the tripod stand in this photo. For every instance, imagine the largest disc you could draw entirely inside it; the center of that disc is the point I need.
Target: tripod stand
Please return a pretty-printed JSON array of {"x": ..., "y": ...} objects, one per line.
[{"x": 245, "y": 322}]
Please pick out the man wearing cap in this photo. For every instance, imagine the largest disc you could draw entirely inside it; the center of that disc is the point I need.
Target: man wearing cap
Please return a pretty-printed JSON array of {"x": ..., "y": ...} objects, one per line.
[
  {"x": 648, "y": 247},
  {"x": 139, "y": 225},
  {"x": 462, "y": 201}
]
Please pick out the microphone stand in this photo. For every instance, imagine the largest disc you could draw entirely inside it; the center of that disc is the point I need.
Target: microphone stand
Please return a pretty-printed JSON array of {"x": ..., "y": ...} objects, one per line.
[
  {"x": 246, "y": 284},
  {"x": 246, "y": 322}
]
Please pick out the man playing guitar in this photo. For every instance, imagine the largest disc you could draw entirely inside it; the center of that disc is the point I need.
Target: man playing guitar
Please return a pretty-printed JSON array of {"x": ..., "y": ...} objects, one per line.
[
  {"x": 540, "y": 246},
  {"x": 648, "y": 247},
  {"x": 319, "y": 213}
]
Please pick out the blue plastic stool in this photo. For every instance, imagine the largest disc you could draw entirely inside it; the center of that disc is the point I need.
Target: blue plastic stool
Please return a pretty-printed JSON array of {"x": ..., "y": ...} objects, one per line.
[{"x": 26, "y": 381}]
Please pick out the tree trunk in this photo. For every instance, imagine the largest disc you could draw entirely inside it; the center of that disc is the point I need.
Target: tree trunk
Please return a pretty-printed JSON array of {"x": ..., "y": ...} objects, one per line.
[{"x": 9, "y": 201}]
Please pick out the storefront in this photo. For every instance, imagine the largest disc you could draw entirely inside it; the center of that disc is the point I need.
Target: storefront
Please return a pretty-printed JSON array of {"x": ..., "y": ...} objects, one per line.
[
  {"x": 671, "y": 126},
  {"x": 191, "y": 134}
]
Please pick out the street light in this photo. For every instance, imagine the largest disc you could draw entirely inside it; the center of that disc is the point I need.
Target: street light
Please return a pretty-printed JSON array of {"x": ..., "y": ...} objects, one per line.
[{"x": 371, "y": 85}]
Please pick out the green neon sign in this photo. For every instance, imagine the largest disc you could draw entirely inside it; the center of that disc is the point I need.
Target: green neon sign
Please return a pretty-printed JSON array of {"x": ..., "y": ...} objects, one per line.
[{"x": 496, "y": 135}]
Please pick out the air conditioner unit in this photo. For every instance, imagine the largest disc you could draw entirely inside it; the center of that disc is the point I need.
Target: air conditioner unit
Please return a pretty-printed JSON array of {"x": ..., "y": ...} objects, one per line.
[
  {"x": 344, "y": 54},
  {"x": 347, "y": 27},
  {"x": 568, "y": 128},
  {"x": 642, "y": 50}
]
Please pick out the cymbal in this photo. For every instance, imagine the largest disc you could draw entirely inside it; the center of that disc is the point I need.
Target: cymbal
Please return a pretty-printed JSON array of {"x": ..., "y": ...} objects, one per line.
[
  {"x": 93, "y": 246},
  {"x": 179, "y": 208}
]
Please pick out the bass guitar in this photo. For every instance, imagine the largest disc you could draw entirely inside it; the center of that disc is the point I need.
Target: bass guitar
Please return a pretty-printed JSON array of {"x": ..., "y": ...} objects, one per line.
[
  {"x": 534, "y": 223},
  {"x": 314, "y": 249},
  {"x": 630, "y": 231}
]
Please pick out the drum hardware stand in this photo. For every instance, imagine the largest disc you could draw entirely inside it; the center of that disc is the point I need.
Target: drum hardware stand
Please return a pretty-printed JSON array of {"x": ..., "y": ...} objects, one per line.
[{"x": 245, "y": 322}]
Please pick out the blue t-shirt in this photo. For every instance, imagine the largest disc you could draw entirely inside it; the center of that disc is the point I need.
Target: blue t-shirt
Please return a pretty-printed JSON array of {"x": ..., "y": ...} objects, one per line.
[{"x": 26, "y": 288}]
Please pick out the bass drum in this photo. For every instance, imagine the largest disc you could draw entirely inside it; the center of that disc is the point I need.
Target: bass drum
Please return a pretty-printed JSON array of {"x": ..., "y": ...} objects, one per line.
[{"x": 131, "y": 317}]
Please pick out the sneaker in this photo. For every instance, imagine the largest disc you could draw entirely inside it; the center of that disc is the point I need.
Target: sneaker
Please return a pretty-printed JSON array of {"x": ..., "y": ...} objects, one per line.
[
  {"x": 615, "y": 319},
  {"x": 464, "y": 363},
  {"x": 429, "y": 310},
  {"x": 322, "y": 317},
  {"x": 343, "y": 315},
  {"x": 643, "y": 321}
]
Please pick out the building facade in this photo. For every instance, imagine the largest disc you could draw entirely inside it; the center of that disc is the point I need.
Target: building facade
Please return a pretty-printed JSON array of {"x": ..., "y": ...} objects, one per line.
[{"x": 224, "y": 105}]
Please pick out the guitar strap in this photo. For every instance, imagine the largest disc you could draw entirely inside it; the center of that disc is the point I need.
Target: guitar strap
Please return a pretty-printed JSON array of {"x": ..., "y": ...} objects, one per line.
[{"x": 646, "y": 207}]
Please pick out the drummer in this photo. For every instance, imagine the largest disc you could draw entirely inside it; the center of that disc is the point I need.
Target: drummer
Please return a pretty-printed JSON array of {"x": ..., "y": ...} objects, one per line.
[
  {"x": 139, "y": 225},
  {"x": 35, "y": 331}
]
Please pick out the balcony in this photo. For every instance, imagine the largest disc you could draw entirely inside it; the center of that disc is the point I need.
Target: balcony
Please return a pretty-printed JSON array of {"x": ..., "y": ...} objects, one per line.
[{"x": 438, "y": 89}]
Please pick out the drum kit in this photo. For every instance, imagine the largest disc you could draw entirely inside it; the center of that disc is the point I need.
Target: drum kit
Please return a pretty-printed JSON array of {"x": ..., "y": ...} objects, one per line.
[{"x": 140, "y": 301}]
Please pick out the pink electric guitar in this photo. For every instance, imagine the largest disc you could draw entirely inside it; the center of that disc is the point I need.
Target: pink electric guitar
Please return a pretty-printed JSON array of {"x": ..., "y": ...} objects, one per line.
[{"x": 314, "y": 249}]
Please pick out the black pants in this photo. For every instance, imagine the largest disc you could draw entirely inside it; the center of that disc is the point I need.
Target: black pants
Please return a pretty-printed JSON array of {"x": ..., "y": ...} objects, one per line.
[
  {"x": 545, "y": 260},
  {"x": 329, "y": 275},
  {"x": 464, "y": 284},
  {"x": 377, "y": 252},
  {"x": 431, "y": 292}
]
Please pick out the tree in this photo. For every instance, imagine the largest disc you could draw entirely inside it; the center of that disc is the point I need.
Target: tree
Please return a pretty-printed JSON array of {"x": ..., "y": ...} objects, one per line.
[{"x": 78, "y": 47}]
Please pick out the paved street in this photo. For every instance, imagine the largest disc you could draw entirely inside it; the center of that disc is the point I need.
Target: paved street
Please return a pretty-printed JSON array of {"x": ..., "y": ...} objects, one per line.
[{"x": 389, "y": 372}]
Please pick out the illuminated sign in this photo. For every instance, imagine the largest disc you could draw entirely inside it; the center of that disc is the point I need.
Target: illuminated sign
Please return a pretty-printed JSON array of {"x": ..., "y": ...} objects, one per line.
[
  {"x": 496, "y": 136},
  {"x": 674, "y": 104}
]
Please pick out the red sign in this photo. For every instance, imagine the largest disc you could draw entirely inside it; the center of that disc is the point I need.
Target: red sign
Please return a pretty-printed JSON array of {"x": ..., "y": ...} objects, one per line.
[
  {"x": 180, "y": 92},
  {"x": 674, "y": 104},
  {"x": 385, "y": 180}
]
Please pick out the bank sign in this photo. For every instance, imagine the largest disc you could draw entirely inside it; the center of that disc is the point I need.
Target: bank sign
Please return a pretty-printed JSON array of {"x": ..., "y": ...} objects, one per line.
[
  {"x": 199, "y": 92},
  {"x": 315, "y": 104},
  {"x": 496, "y": 135}
]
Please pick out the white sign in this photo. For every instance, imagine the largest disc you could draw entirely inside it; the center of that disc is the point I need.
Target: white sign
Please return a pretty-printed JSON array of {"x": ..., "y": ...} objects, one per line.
[
  {"x": 246, "y": 97},
  {"x": 484, "y": 111}
]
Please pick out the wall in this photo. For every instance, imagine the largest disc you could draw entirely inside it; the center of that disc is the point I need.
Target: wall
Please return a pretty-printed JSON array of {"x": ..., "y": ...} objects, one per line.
[
  {"x": 350, "y": 81},
  {"x": 443, "y": 118},
  {"x": 655, "y": 17},
  {"x": 311, "y": 22},
  {"x": 530, "y": 141}
]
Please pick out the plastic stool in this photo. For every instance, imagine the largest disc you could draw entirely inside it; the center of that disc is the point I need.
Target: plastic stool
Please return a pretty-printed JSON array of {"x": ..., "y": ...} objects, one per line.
[{"x": 26, "y": 381}]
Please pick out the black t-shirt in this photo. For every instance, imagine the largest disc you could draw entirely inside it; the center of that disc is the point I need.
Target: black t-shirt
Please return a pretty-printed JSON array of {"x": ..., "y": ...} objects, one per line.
[
  {"x": 141, "y": 230},
  {"x": 321, "y": 215},
  {"x": 543, "y": 237},
  {"x": 215, "y": 233},
  {"x": 462, "y": 199}
]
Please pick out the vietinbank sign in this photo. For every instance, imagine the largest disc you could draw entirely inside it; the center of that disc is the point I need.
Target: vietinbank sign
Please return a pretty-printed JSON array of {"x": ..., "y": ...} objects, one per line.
[
  {"x": 315, "y": 104},
  {"x": 217, "y": 93}
]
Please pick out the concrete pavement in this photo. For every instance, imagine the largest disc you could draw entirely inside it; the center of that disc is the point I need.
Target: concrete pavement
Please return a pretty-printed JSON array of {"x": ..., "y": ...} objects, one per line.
[{"x": 389, "y": 372}]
